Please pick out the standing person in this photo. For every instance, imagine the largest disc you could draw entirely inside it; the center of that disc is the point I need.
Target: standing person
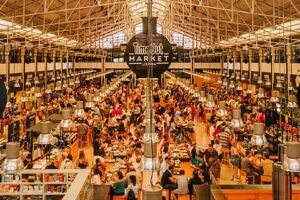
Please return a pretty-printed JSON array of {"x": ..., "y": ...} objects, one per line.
[
  {"x": 96, "y": 178},
  {"x": 182, "y": 184},
  {"x": 208, "y": 153},
  {"x": 215, "y": 167},
  {"x": 235, "y": 161},
  {"x": 212, "y": 132}
]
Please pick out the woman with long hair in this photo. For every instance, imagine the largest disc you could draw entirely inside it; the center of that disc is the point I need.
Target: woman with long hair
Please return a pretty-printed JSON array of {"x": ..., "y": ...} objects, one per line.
[{"x": 82, "y": 162}]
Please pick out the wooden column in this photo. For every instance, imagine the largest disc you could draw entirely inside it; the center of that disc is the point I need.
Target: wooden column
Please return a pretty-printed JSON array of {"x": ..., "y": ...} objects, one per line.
[
  {"x": 272, "y": 65},
  {"x": 249, "y": 65},
  {"x": 45, "y": 67},
  {"x": 23, "y": 67},
  {"x": 260, "y": 56},
  {"x": 288, "y": 66}
]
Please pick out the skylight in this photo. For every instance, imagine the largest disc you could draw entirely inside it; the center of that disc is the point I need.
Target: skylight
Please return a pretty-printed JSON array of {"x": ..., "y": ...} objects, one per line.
[
  {"x": 281, "y": 30},
  {"x": 7, "y": 27},
  {"x": 138, "y": 8},
  {"x": 110, "y": 41},
  {"x": 184, "y": 41}
]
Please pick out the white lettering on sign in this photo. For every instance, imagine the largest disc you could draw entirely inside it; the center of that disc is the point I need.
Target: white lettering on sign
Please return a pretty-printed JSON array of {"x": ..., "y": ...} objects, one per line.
[{"x": 143, "y": 50}]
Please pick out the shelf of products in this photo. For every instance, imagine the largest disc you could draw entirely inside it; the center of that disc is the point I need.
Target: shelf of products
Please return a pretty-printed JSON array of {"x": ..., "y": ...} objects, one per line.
[{"x": 36, "y": 184}]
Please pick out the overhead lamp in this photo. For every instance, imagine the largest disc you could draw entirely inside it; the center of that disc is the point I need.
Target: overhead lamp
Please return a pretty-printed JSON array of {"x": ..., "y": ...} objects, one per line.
[
  {"x": 231, "y": 85},
  {"x": 97, "y": 97},
  {"x": 237, "y": 121},
  {"x": 249, "y": 90},
  {"x": 210, "y": 102},
  {"x": 90, "y": 101},
  {"x": 290, "y": 87},
  {"x": 258, "y": 138},
  {"x": 17, "y": 84},
  {"x": 36, "y": 81},
  {"x": 291, "y": 161},
  {"x": 48, "y": 90},
  {"x": 77, "y": 81},
  {"x": 222, "y": 112},
  {"x": 52, "y": 78},
  {"x": 274, "y": 98},
  {"x": 219, "y": 81},
  {"x": 65, "y": 85},
  {"x": 243, "y": 78},
  {"x": 237, "y": 78},
  {"x": 232, "y": 76},
  {"x": 278, "y": 84},
  {"x": 37, "y": 92},
  {"x": 202, "y": 97},
  {"x": 260, "y": 93},
  {"x": 13, "y": 162},
  {"x": 79, "y": 111},
  {"x": 268, "y": 82},
  {"x": 224, "y": 83},
  {"x": 71, "y": 83},
  {"x": 227, "y": 75},
  {"x": 24, "y": 97},
  {"x": 66, "y": 121},
  {"x": 45, "y": 136},
  {"x": 58, "y": 86},
  {"x": 239, "y": 87},
  {"x": 259, "y": 80},
  {"x": 292, "y": 103},
  {"x": 27, "y": 83}
]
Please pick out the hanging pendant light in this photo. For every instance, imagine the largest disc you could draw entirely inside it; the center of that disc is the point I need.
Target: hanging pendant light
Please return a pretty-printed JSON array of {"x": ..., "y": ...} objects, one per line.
[
  {"x": 291, "y": 161},
  {"x": 219, "y": 81},
  {"x": 45, "y": 135},
  {"x": 17, "y": 84},
  {"x": 13, "y": 163},
  {"x": 37, "y": 92},
  {"x": 249, "y": 90},
  {"x": 210, "y": 104},
  {"x": 260, "y": 93},
  {"x": 65, "y": 85},
  {"x": 48, "y": 90},
  {"x": 268, "y": 82},
  {"x": 202, "y": 97},
  {"x": 237, "y": 121},
  {"x": 27, "y": 83},
  {"x": 24, "y": 97},
  {"x": 36, "y": 81},
  {"x": 290, "y": 87},
  {"x": 278, "y": 84},
  {"x": 258, "y": 138},
  {"x": 52, "y": 78},
  {"x": 222, "y": 112},
  {"x": 292, "y": 103},
  {"x": 239, "y": 87},
  {"x": 260, "y": 81},
  {"x": 77, "y": 81},
  {"x": 90, "y": 101},
  {"x": 58, "y": 86},
  {"x": 274, "y": 98},
  {"x": 79, "y": 111},
  {"x": 243, "y": 78},
  {"x": 231, "y": 85},
  {"x": 224, "y": 83},
  {"x": 66, "y": 121}
]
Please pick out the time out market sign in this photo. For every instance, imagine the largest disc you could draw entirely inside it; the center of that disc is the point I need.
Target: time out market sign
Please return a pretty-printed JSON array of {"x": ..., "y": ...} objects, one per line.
[{"x": 137, "y": 58}]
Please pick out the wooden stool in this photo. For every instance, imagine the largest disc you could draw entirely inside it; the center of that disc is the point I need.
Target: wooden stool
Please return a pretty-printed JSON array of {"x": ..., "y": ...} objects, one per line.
[
  {"x": 245, "y": 177},
  {"x": 265, "y": 179},
  {"x": 226, "y": 157},
  {"x": 168, "y": 193},
  {"x": 119, "y": 197}
]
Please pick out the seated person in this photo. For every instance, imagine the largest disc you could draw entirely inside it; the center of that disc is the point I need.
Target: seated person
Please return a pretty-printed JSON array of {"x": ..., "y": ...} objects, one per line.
[
  {"x": 119, "y": 185},
  {"x": 248, "y": 166},
  {"x": 267, "y": 165},
  {"x": 167, "y": 179}
]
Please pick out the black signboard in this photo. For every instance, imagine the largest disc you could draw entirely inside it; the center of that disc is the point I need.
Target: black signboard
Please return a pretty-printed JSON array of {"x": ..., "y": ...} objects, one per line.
[{"x": 137, "y": 56}]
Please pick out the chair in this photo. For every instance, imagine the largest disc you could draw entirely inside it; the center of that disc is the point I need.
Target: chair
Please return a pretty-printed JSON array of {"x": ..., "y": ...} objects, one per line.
[
  {"x": 226, "y": 157},
  {"x": 265, "y": 179},
  {"x": 245, "y": 177}
]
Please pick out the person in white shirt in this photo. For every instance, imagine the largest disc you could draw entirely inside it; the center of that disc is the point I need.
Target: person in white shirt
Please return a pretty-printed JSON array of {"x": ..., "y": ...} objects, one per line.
[
  {"x": 164, "y": 165},
  {"x": 182, "y": 184},
  {"x": 66, "y": 163},
  {"x": 132, "y": 185},
  {"x": 96, "y": 178},
  {"x": 211, "y": 133}
]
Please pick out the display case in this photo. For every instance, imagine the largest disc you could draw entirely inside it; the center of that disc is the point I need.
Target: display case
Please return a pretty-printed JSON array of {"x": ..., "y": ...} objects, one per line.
[{"x": 44, "y": 185}]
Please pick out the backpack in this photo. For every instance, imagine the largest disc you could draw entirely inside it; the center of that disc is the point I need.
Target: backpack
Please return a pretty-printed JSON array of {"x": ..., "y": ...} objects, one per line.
[{"x": 131, "y": 195}]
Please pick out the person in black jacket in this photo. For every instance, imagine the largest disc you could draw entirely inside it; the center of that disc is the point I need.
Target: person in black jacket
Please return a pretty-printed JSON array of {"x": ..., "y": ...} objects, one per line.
[
  {"x": 195, "y": 180},
  {"x": 167, "y": 179}
]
